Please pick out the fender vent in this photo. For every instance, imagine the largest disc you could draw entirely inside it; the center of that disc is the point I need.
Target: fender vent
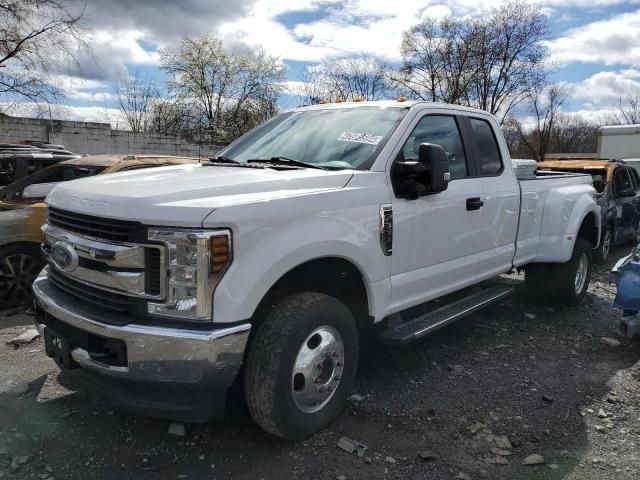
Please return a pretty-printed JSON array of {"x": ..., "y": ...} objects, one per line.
[{"x": 386, "y": 229}]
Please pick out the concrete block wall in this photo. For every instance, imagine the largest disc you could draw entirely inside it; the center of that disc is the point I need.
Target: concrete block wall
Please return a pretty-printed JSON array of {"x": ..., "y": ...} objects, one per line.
[{"x": 96, "y": 138}]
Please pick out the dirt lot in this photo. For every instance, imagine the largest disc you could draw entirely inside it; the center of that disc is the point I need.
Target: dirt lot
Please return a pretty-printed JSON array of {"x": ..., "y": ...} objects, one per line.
[{"x": 479, "y": 397}]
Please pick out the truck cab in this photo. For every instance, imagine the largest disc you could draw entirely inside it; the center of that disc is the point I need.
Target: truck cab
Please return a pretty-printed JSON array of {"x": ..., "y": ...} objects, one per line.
[{"x": 321, "y": 222}]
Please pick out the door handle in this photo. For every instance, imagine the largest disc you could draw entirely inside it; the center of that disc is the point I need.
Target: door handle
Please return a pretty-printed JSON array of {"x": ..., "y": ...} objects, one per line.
[{"x": 474, "y": 203}]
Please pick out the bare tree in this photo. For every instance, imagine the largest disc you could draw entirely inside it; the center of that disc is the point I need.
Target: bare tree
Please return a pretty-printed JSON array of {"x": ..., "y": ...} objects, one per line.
[
  {"x": 223, "y": 85},
  {"x": 438, "y": 60},
  {"x": 628, "y": 109},
  {"x": 510, "y": 57},
  {"x": 135, "y": 96},
  {"x": 361, "y": 76},
  {"x": 493, "y": 61},
  {"x": 572, "y": 133},
  {"x": 36, "y": 37},
  {"x": 544, "y": 108},
  {"x": 171, "y": 117}
]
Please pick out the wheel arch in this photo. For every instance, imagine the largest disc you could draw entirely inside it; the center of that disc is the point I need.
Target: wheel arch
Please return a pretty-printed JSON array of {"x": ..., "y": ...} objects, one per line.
[
  {"x": 590, "y": 230},
  {"x": 332, "y": 275}
]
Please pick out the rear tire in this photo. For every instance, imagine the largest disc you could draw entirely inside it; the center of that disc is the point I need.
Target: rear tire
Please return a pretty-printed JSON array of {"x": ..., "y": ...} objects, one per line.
[
  {"x": 20, "y": 264},
  {"x": 570, "y": 280},
  {"x": 301, "y": 365}
]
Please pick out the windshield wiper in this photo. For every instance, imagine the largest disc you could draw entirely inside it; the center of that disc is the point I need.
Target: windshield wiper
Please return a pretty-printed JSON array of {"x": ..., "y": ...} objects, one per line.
[
  {"x": 223, "y": 159},
  {"x": 226, "y": 161},
  {"x": 286, "y": 161}
]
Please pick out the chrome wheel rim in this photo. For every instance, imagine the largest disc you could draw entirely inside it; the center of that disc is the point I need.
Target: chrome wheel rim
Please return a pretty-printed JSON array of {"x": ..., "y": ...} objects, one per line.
[
  {"x": 606, "y": 244},
  {"x": 17, "y": 273},
  {"x": 317, "y": 370},
  {"x": 581, "y": 272}
]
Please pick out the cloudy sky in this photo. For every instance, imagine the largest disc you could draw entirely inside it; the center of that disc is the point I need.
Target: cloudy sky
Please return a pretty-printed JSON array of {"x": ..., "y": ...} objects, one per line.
[{"x": 595, "y": 43}]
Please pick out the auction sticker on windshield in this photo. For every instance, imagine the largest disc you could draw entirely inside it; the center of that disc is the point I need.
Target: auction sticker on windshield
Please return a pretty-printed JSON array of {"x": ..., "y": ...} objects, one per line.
[{"x": 360, "y": 138}]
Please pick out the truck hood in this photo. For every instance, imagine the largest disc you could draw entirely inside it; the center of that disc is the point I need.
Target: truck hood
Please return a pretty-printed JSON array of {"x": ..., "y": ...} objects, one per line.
[{"x": 184, "y": 195}]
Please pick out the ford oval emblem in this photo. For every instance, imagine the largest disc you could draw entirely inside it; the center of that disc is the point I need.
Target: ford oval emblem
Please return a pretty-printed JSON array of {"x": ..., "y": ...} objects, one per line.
[{"x": 64, "y": 256}]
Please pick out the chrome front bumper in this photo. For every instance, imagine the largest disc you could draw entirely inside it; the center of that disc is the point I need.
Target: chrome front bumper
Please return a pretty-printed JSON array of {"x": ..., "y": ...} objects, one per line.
[{"x": 154, "y": 354}]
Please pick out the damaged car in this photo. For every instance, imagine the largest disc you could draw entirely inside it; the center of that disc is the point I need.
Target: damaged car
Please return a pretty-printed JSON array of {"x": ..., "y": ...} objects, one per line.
[{"x": 23, "y": 212}]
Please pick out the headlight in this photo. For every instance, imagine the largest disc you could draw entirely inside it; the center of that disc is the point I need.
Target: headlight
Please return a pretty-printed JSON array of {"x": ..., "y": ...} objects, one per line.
[{"x": 197, "y": 259}]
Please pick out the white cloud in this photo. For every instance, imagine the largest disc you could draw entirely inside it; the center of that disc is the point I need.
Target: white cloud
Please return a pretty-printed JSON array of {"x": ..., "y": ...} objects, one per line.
[
  {"x": 613, "y": 41},
  {"x": 362, "y": 25}
]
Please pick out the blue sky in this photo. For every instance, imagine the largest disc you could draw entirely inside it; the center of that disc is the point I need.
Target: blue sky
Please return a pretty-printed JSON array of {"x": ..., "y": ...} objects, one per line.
[{"x": 595, "y": 44}]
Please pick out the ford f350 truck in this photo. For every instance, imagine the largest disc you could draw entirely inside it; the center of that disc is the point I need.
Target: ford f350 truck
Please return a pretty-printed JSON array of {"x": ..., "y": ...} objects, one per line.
[{"x": 264, "y": 265}]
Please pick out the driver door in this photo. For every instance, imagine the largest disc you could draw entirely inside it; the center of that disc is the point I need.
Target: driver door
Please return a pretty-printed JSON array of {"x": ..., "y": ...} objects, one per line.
[{"x": 436, "y": 237}]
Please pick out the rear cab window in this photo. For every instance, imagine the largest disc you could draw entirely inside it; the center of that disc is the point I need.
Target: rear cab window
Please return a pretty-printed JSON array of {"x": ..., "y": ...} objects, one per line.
[{"x": 488, "y": 157}]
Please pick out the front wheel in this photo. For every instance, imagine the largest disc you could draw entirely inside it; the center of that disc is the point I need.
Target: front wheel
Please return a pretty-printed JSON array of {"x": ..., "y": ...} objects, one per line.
[
  {"x": 602, "y": 254},
  {"x": 20, "y": 264},
  {"x": 570, "y": 280},
  {"x": 301, "y": 365}
]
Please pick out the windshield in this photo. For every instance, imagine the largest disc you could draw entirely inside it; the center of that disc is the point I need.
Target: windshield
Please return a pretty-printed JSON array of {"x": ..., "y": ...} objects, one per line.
[
  {"x": 599, "y": 180},
  {"x": 39, "y": 184},
  {"x": 332, "y": 138}
]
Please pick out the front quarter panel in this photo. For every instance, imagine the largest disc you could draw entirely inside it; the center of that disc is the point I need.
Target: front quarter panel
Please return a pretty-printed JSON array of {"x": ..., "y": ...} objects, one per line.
[{"x": 271, "y": 238}]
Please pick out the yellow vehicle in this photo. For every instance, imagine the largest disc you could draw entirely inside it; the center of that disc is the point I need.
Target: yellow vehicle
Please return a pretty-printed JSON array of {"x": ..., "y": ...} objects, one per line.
[{"x": 23, "y": 211}]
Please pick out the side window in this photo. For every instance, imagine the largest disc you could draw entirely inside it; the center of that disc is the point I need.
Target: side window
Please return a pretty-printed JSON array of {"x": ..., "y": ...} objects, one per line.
[
  {"x": 621, "y": 181},
  {"x": 488, "y": 152},
  {"x": 440, "y": 130}
]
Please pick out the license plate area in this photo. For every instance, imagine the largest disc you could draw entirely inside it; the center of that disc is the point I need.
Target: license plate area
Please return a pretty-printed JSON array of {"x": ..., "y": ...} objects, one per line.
[
  {"x": 58, "y": 348},
  {"x": 60, "y": 339}
]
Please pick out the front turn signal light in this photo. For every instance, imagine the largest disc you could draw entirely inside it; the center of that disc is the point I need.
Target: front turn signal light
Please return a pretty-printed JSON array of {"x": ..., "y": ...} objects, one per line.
[{"x": 220, "y": 253}]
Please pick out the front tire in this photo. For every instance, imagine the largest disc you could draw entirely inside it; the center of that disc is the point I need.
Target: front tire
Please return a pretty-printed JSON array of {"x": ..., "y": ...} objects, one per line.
[
  {"x": 606, "y": 244},
  {"x": 301, "y": 365},
  {"x": 570, "y": 280}
]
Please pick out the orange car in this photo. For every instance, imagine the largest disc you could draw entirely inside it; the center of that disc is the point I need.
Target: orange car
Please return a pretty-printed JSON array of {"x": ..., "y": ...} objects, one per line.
[{"x": 22, "y": 213}]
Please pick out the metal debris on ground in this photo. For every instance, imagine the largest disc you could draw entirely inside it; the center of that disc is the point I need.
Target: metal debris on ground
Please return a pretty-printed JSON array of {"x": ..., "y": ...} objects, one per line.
[
  {"x": 427, "y": 455},
  {"x": 533, "y": 459},
  {"x": 612, "y": 342},
  {"x": 24, "y": 338},
  {"x": 350, "y": 446}
]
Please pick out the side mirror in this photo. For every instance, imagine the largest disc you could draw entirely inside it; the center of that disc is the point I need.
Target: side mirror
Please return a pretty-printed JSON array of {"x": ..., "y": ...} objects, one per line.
[
  {"x": 438, "y": 162},
  {"x": 430, "y": 174}
]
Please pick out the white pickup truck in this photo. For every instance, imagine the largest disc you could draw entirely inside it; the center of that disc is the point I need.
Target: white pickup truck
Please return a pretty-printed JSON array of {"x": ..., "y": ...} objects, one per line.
[{"x": 165, "y": 286}]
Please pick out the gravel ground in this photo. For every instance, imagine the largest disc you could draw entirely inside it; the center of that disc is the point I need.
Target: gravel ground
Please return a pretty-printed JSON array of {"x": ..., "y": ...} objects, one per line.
[{"x": 516, "y": 381}]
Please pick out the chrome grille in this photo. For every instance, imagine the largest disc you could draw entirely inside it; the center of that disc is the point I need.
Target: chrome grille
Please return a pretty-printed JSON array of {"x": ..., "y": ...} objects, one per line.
[
  {"x": 109, "y": 301},
  {"x": 106, "y": 270}
]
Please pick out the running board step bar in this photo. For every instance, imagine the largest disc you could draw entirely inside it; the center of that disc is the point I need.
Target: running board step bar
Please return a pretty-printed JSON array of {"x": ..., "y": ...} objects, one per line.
[{"x": 407, "y": 332}]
